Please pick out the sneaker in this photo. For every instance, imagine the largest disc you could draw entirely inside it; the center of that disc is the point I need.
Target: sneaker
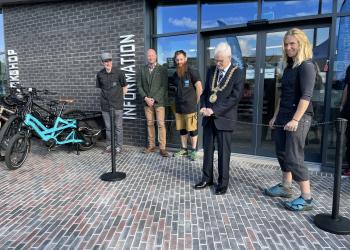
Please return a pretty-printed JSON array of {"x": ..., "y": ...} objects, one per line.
[
  {"x": 346, "y": 172},
  {"x": 299, "y": 204},
  {"x": 118, "y": 150},
  {"x": 193, "y": 155},
  {"x": 279, "y": 191},
  {"x": 107, "y": 149},
  {"x": 181, "y": 152}
]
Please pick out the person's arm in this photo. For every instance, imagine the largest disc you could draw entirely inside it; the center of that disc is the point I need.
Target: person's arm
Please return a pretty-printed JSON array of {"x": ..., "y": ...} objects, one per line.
[
  {"x": 123, "y": 83},
  {"x": 140, "y": 85},
  {"x": 98, "y": 84},
  {"x": 344, "y": 97},
  {"x": 273, "y": 119},
  {"x": 199, "y": 90}
]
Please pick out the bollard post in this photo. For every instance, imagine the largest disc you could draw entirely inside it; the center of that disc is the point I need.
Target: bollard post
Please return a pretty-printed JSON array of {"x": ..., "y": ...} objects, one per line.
[
  {"x": 113, "y": 176},
  {"x": 335, "y": 223}
]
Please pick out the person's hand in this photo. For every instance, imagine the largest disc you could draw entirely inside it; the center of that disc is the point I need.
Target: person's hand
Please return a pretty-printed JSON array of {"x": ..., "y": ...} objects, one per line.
[
  {"x": 209, "y": 112},
  {"x": 272, "y": 123},
  {"x": 291, "y": 126},
  {"x": 149, "y": 101},
  {"x": 202, "y": 111}
]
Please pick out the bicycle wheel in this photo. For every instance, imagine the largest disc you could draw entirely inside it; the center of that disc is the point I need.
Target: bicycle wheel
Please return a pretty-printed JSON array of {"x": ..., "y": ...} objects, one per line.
[
  {"x": 88, "y": 141},
  {"x": 17, "y": 151},
  {"x": 10, "y": 128}
]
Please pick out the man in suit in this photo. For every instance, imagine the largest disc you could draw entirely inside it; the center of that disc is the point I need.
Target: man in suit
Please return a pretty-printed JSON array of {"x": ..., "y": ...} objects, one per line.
[
  {"x": 152, "y": 84},
  {"x": 219, "y": 101}
]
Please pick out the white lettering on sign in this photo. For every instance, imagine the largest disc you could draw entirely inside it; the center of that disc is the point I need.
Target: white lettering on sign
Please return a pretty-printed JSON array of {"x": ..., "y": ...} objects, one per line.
[
  {"x": 12, "y": 62},
  {"x": 127, "y": 62}
]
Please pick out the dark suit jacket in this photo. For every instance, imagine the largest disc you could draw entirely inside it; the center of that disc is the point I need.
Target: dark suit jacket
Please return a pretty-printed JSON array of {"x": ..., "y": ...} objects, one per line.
[
  {"x": 153, "y": 84},
  {"x": 225, "y": 107}
]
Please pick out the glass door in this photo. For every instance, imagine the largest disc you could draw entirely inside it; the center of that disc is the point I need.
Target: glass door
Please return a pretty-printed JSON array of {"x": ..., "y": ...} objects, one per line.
[
  {"x": 244, "y": 55},
  {"x": 271, "y": 82},
  {"x": 260, "y": 54}
]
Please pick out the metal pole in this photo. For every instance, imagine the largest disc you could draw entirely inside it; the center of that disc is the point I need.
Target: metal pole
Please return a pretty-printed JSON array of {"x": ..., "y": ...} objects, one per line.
[
  {"x": 335, "y": 223},
  {"x": 113, "y": 176}
]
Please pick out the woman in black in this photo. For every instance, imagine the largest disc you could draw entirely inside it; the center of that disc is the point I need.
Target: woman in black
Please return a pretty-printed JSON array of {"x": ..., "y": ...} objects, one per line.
[{"x": 292, "y": 119}]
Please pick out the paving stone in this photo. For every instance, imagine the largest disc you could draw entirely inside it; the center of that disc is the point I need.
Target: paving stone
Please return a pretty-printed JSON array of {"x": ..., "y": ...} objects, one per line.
[{"x": 57, "y": 201}]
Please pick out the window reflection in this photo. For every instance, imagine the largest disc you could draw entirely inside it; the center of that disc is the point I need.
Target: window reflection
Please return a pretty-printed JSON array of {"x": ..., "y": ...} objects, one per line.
[
  {"x": 343, "y": 6},
  {"x": 216, "y": 15},
  {"x": 342, "y": 61},
  {"x": 166, "y": 47},
  {"x": 272, "y": 9},
  {"x": 2, "y": 56},
  {"x": 176, "y": 18}
]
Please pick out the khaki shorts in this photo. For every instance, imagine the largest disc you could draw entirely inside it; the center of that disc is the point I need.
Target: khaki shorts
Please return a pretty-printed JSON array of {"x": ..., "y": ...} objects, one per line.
[{"x": 186, "y": 121}]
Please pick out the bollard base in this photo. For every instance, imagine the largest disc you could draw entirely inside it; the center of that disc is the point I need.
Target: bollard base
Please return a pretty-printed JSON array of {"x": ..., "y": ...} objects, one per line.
[
  {"x": 334, "y": 226},
  {"x": 113, "y": 176}
]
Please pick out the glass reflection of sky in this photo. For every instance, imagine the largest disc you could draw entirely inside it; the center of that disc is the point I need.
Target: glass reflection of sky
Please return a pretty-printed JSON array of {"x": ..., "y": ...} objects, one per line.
[
  {"x": 285, "y": 9},
  {"x": 166, "y": 47},
  {"x": 2, "y": 45},
  {"x": 343, "y": 6},
  {"x": 247, "y": 45},
  {"x": 274, "y": 40},
  {"x": 228, "y": 13},
  {"x": 176, "y": 18}
]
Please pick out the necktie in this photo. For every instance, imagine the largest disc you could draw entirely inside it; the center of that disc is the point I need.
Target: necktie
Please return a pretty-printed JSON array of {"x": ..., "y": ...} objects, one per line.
[{"x": 220, "y": 77}]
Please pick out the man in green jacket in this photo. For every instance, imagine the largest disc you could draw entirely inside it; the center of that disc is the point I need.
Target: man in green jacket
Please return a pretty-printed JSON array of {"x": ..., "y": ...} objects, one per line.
[{"x": 152, "y": 84}]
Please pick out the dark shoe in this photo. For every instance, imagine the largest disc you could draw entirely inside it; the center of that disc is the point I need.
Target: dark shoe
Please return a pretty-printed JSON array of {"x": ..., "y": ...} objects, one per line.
[
  {"x": 202, "y": 184},
  {"x": 220, "y": 190},
  {"x": 149, "y": 150},
  {"x": 163, "y": 153}
]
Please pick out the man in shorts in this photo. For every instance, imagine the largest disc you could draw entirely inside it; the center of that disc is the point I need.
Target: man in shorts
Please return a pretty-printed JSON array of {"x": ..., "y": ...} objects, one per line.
[{"x": 188, "y": 91}]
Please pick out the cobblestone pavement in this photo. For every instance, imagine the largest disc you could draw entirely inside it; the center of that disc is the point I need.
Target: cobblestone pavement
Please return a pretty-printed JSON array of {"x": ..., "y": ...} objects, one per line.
[{"x": 57, "y": 201}]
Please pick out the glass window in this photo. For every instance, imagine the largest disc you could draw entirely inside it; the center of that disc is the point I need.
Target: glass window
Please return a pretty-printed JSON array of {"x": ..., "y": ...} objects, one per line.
[
  {"x": 176, "y": 18},
  {"x": 166, "y": 47},
  {"x": 343, "y": 6},
  {"x": 222, "y": 14},
  {"x": 2, "y": 56},
  {"x": 341, "y": 63},
  {"x": 277, "y": 9}
]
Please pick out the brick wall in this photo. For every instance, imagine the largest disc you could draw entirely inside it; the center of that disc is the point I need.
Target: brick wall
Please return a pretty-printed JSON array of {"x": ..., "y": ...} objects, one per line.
[{"x": 58, "y": 46}]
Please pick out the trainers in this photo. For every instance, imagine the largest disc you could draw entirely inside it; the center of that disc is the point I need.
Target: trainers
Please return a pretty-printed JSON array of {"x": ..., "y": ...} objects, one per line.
[
  {"x": 193, "y": 155},
  {"x": 346, "y": 172},
  {"x": 181, "y": 152},
  {"x": 299, "y": 204},
  {"x": 118, "y": 150},
  {"x": 279, "y": 191}
]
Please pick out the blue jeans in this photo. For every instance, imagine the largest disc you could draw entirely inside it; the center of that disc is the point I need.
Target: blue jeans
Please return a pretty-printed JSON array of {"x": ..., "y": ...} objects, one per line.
[{"x": 118, "y": 124}]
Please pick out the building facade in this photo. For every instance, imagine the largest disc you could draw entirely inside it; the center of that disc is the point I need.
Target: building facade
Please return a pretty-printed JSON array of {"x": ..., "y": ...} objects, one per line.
[{"x": 57, "y": 46}]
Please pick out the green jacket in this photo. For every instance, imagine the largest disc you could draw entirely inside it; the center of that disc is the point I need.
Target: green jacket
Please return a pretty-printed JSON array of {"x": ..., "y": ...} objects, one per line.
[{"x": 153, "y": 84}]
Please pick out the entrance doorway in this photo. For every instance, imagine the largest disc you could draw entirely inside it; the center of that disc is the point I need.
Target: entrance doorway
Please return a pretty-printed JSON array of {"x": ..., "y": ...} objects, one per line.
[{"x": 260, "y": 54}]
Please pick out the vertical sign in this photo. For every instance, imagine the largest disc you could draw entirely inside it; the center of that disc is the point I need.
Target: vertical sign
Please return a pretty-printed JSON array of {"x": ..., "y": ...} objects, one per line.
[
  {"x": 12, "y": 60},
  {"x": 127, "y": 62}
]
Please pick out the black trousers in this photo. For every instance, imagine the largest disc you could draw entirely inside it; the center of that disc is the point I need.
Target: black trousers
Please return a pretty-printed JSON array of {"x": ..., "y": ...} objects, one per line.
[
  {"x": 210, "y": 132},
  {"x": 347, "y": 135},
  {"x": 290, "y": 149}
]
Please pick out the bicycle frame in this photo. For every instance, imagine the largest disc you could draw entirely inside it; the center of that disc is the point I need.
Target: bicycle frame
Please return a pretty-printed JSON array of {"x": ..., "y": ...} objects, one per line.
[{"x": 60, "y": 125}]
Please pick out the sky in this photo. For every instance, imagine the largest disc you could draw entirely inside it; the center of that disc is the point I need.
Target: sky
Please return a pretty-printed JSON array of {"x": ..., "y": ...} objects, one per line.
[{"x": 2, "y": 46}]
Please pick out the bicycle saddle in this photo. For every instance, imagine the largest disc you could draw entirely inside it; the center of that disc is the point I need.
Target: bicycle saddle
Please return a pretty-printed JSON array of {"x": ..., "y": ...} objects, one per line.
[{"x": 66, "y": 100}]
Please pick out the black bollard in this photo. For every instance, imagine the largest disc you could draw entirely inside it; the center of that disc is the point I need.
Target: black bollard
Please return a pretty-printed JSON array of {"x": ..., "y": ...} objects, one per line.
[
  {"x": 113, "y": 176},
  {"x": 335, "y": 223}
]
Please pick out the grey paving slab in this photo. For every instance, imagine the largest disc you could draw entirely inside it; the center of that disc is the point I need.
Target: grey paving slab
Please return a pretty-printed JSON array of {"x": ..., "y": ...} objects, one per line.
[{"x": 57, "y": 201}]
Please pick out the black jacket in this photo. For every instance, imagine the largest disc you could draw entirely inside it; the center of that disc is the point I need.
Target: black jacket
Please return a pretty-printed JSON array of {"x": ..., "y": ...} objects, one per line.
[{"x": 225, "y": 107}]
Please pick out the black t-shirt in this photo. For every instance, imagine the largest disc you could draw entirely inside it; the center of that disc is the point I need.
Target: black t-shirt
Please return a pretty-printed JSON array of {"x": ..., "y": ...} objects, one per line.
[
  {"x": 297, "y": 83},
  {"x": 186, "y": 97},
  {"x": 111, "y": 85}
]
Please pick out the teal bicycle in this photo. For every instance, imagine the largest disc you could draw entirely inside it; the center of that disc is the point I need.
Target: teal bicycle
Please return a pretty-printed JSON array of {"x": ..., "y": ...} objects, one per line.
[{"x": 63, "y": 131}]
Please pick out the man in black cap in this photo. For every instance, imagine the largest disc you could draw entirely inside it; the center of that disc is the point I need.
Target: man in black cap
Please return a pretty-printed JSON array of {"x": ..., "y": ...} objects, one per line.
[{"x": 113, "y": 87}]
